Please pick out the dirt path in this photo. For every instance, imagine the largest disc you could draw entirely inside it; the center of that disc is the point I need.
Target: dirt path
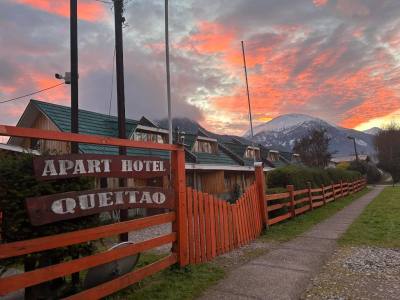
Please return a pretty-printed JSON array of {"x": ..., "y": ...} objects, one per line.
[{"x": 285, "y": 272}]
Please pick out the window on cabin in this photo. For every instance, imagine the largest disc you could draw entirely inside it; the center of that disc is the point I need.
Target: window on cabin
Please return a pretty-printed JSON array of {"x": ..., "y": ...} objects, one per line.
[
  {"x": 273, "y": 156},
  {"x": 252, "y": 153},
  {"x": 149, "y": 137},
  {"x": 204, "y": 147}
]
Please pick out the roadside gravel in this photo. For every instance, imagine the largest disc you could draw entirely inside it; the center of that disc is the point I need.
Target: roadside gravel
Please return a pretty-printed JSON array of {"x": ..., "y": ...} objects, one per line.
[{"x": 358, "y": 273}]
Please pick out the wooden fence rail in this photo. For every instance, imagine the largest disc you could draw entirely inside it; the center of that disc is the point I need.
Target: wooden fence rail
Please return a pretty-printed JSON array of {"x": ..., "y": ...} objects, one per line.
[{"x": 282, "y": 206}]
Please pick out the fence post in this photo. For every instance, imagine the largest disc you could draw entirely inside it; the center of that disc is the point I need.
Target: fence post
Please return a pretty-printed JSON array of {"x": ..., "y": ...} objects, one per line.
[
  {"x": 260, "y": 184},
  {"x": 333, "y": 191},
  {"x": 341, "y": 188},
  {"x": 310, "y": 195},
  {"x": 180, "y": 225},
  {"x": 290, "y": 189},
  {"x": 323, "y": 194}
]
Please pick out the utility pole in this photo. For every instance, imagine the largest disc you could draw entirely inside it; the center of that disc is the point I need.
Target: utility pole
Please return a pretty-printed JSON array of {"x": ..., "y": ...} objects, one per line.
[
  {"x": 248, "y": 101},
  {"x": 355, "y": 146},
  {"x": 119, "y": 60},
  {"x": 168, "y": 73},
  {"x": 74, "y": 71}
]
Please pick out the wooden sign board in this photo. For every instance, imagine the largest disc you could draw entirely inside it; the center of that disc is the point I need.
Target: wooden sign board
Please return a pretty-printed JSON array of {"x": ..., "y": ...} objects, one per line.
[
  {"x": 70, "y": 205},
  {"x": 96, "y": 165}
]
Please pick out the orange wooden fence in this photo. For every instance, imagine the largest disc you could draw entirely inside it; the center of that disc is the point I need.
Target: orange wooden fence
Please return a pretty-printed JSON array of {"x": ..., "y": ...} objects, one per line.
[
  {"x": 216, "y": 226},
  {"x": 296, "y": 202},
  {"x": 177, "y": 216}
]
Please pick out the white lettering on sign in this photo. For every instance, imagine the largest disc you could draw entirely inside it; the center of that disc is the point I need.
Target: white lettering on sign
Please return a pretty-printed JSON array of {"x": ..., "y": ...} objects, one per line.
[{"x": 105, "y": 199}]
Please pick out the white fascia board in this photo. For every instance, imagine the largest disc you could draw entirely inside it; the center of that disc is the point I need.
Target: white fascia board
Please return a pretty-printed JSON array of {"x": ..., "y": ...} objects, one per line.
[
  {"x": 204, "y": 138},
  {"x": 154, "y": 129},
  {"x": 20, "y": 149},
  {"x": 191, "y": 166}
]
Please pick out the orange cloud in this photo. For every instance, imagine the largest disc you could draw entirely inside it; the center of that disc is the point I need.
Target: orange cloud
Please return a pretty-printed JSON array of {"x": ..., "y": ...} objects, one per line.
[
  {"x": 87, "y": 10},
  {"x": 319, "y": 3}
]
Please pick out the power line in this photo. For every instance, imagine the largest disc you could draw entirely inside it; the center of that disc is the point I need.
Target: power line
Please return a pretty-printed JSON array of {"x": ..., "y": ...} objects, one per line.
[{"x": 33, "y": 93}]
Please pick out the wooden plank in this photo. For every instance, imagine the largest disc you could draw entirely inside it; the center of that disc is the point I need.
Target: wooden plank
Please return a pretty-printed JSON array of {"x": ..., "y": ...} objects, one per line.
[
  {"x": 19, "y": 281},
  {"x": 316, "y": 190},
  {"x": 218, "y": 226},
  {"x": 192, "y": 244},
  {"x": 52, "y": 167},
  {"x": 126, "y": 280},
  {"x": 76, "y": 237},
  {"x": 279, "y": 219},
  {"x": 245, "y": 220},
  {"x": 302, "y": 200},
  {"x": 222, "y": 225},
  {"x": 230, "y": 227},
  {"x": 226, "y": 228},
  {"x": 259, "y": 189},
  {"x": 277, "y": 196},
  {"x": 290, "y": 188},
  {"x": 240, "y": 224},
  {"x": 236, "y": 225},
  {"x": 252, "y": 214},
  {"x": 319, "y": 197},
  {"x": 80, "y": 138},
  {"x": 299, "y": 192},
  {"x": 208, "y": 227},
  {"x": 179, "y": 184},
  {"x": 302, "y": 209},
  {"x": 318, "y": 204},
  {"x": 196, "y": 226},
  {"x": 212, "y": 230},
  {"x": 277, "y": 206},
  {"x": 202, "y": 228},
  {"x": 70, "y": 205}
]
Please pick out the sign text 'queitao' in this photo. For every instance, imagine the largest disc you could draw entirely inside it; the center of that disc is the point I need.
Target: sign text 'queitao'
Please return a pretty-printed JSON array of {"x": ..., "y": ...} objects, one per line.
[{"x": 64, "y": 206}]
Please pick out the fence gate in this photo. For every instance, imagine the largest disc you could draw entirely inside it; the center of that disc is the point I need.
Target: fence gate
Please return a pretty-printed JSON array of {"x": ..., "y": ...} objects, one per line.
[{"x": 52, "y": 208}]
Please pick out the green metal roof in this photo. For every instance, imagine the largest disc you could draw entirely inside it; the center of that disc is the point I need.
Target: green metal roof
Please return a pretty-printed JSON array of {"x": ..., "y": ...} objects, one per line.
[{"x": 95, "y": 124}]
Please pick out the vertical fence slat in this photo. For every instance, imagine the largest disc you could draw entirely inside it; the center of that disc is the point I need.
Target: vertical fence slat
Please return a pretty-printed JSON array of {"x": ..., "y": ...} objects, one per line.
[
  {"x": 212, "y": 224},
  {"x": 201, "y": 228},
  {"x": 196, "y": 226},
  {"x": 192, "y": 244},
  {"x": 230, "y": 228},
  {"x": 226, "y": 229},
  {"x": 208, "y": 227}
]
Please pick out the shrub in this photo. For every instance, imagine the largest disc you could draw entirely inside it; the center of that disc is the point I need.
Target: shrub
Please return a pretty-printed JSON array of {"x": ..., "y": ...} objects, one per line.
[
  {"x": 17, "y": 182},
  {"x": 366, "y": 168},
  {"x": 300, "y": 176}
]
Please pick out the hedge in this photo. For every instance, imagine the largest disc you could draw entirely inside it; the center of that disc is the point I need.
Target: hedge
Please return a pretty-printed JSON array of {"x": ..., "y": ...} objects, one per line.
[{"x": 299, "y": 176}]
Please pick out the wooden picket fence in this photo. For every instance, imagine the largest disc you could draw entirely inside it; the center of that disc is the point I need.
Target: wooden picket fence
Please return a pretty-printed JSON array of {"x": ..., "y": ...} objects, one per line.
[
  {"x": 296, "y": 202},
  {"x": 216, "y": 226}
]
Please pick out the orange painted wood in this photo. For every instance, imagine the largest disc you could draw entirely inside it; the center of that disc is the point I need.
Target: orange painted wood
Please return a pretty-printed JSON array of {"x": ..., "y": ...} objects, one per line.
[
  {"x": 226, "y": 228},
  {"x": 80, "y": 138},
  {"x": 208, "y": 227},
  {"x": 279, "y": 219},
  {"x": 302, "y": 200},
  {"x": 213, "y": 236},
  {"x": 252, "y": 214},
  {"x": 317, "y": 190},
  {"x": 277, "y": 206},
  {"x": 290, "y": 189},
  {"x": 319, "y": 197},
  {"x": 218, "y": 226},
  {"x": 302, "y": 209},
  {"x": 76, "y": 237},
  {"x": 19, "y": 281},
  {"x": 125, "y": 280},
  {"x": 246, "y": 220},
  {"x": 310, "y": 196},
  {"x": 202, "y": 228},
  {"x": 277, "y": 196},
  {"x": 323, "y": 195},
  {"x": 230, "y": 228},
  {"x": 222, "y": 226},
  {"x": 236, "y": 226},
  {"x": 299, "y": 192},
  {"x": 318, "y": 204},
  {"x": 192, "y": 244},
  {"x": 196, "y": 226},
  {"x": 179, "y": 183},
  {"x": 240, "y": 223},
  {"x": 260, "y": 192}
]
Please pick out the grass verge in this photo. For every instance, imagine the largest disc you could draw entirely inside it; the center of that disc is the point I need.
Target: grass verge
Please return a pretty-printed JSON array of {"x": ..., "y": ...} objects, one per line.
[
  {"x": 172, "y": 283},
  {"x": 379, "y": 224},
  {"x": 293, "y": 227}
]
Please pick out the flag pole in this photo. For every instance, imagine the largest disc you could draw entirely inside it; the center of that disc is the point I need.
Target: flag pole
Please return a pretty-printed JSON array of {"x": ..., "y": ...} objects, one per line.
[{"x": 167, "y": 67}]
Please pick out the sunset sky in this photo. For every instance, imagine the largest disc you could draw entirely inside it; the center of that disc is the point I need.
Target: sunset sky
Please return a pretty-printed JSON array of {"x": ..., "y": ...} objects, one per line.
[{"x": 334, "y": 59}]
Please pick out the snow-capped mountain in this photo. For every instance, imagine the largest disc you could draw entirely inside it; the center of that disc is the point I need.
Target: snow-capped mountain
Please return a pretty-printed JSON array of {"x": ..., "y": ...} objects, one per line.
[
  {"x": 282, "y": 132},
  {"x": 373, "y": 130},
  {"x": 282, "y": 122}
]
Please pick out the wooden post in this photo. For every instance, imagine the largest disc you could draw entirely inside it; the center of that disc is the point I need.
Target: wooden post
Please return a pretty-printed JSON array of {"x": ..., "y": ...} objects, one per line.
[
  {"x": 323, "y": 194},
  {"x": 333, "y": 191},
  {"x": 260, "y": 184},
  {"x": 290, "y": 189},
  {"x": 180, "y": 225},
  {"x": 310, "y": 195},
  {"x": 341, "y": 188}
]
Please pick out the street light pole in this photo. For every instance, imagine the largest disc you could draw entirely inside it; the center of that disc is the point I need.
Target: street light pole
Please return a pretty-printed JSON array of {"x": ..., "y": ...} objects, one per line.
[{"x": 355, "y": 145}]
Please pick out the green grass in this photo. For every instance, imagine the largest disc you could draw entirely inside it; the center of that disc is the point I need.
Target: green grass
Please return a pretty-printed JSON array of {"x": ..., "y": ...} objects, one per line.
[
  {"x": 172, "y": 283},
  {"x": 293, "y": 227},
  {"x": 379, "y": 224}
]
